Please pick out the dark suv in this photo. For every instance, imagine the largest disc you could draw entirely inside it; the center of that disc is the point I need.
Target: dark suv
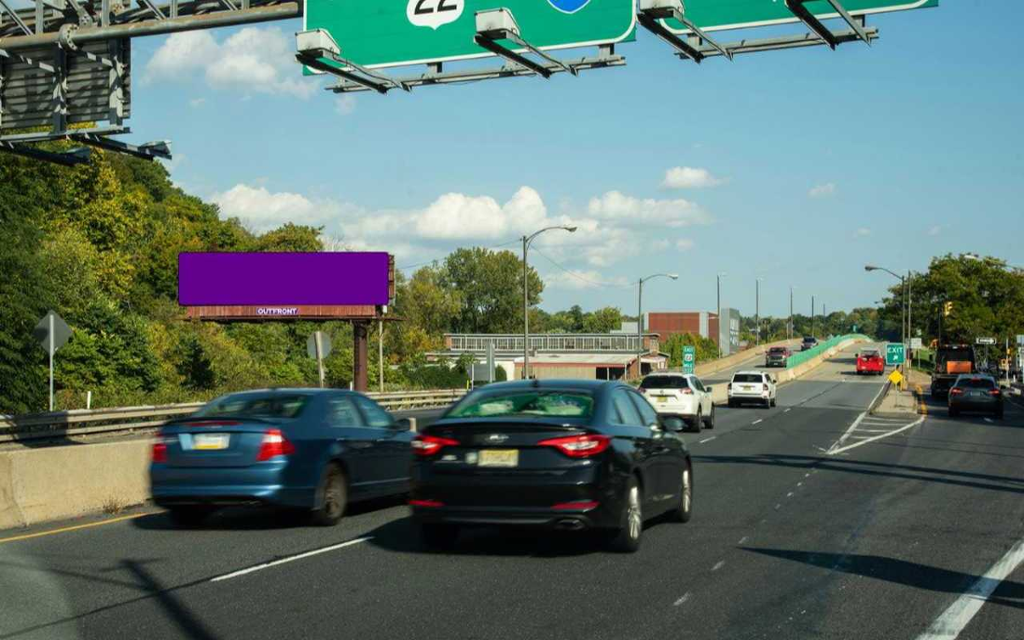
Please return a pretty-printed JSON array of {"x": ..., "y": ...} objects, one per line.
[
  {"x": 777, "y": 357},
  {"x": 976, "y": 393},
  {"x": 809, "y": 343}
]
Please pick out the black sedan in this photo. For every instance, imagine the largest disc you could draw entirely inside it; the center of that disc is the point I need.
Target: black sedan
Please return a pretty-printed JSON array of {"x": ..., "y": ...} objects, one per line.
[
  {"x": 563, "y": 454},
  {"x": 976, "y": 393}
]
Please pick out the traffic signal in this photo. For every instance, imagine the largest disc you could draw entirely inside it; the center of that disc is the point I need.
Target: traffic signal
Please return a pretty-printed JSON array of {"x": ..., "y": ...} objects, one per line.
[{"x": 947, "y": 308}]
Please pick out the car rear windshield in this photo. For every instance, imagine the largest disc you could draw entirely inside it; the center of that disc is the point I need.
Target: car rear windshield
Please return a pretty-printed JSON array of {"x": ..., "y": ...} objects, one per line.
[
  {"x": 777, "y": 350},
  {"x": 247, "y": 405},
  {"x": 810, "y": 339},
  {"x": 870, "y": 354},
  {"x": 543, "y": 403},
  {"x": 747, "y": 377},
  {"x": 664, "y": 382},
  {"x": 976, "y": 383}
]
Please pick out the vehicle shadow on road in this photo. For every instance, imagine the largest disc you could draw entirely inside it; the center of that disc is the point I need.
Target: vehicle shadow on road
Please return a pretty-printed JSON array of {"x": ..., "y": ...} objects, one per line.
[
  {"x": 401, "y": 536},
  {"x": 880, "y": 469},
  {"x": 911, "y": 574},
  {"x": 255, "y": 519}
]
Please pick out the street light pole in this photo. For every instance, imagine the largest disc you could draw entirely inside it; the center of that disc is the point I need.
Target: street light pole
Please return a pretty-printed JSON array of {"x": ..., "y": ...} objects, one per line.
[
  {"x": 526, "y": 295},
  {"x": 904, "y": 315},
  {"x": 812, "y": 317},
  {"x": 790, "y": 312},
  {"x": 640, "y": 317},
  {"x": 757, "y": 311},
  {"x": 718, "y": 312}
]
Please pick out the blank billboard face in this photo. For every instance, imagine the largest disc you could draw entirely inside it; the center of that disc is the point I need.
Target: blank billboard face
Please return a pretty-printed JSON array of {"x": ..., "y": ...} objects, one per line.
[{"x": 343, "y": 278}]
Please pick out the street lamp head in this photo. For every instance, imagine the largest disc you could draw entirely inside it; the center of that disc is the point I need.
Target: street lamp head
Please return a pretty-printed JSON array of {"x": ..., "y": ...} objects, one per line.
[
  {"x": 869, "y": 267},
  {"x": 674, "y": 276},
  {"x": 570, "y": 228}
]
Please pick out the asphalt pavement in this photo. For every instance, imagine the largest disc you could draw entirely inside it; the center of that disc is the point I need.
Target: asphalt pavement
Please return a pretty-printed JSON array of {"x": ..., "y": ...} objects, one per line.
[{"x": 881, "y": 538}]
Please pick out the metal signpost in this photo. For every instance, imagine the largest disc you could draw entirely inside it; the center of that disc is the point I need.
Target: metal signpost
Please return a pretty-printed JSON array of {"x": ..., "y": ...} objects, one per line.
[
  {"x": 318, "y": 346},
  {"x": 52, "y": 333},
  {"x": 689, "y": 358}
]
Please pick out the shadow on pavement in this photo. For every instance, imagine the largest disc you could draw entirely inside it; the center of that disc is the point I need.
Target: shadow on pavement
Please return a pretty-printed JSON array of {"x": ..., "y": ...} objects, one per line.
[
  {"x": 401, "y": 536},
  {"x": 911, "y": 574},
  {"x": 258, "y": 518},
  {"x": 879, "y": 469}
]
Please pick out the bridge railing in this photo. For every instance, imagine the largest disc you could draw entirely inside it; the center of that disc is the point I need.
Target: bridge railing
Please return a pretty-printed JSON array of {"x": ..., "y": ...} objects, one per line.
[{"x": 86, "y": 422}]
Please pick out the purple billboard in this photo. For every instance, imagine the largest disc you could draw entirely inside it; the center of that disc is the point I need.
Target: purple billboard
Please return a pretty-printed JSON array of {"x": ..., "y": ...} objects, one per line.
[{"x": 336, "y": 278}]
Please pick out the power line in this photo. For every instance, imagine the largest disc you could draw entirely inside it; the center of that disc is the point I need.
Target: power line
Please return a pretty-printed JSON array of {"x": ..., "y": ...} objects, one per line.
[{"x": 579, "y": 277}]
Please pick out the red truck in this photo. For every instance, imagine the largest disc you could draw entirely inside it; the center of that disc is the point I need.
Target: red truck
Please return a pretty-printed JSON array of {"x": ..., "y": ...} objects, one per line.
[{"x": 870, "y": 361}]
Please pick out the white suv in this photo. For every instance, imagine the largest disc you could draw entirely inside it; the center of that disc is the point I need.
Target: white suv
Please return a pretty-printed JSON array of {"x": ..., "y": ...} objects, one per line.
[
  {"x": 752, "y": 386},
  {"x": 680, "y": 394}
]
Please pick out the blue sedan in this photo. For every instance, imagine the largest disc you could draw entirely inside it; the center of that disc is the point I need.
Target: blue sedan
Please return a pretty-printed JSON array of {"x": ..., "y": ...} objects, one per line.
[{"x": 309, "y": 449}]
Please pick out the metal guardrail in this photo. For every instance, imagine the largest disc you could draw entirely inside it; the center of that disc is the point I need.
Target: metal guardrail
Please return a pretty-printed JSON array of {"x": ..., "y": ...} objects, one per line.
[{"x": 85, "y": 422}]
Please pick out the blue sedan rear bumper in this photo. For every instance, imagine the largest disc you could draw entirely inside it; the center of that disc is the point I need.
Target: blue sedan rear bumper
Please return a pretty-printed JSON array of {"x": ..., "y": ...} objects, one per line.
[{"x": 215, "y": 486}]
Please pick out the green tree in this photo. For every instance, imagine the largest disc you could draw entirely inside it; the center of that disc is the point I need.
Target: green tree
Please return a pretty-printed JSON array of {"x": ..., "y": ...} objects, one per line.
[
  {"x": 491, "y": 286},
  {"x": 603, "y": 320}
]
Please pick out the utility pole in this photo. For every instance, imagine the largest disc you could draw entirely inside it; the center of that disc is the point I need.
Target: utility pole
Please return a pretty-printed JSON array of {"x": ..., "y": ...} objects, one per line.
[
  {"x": 757, "y": 312},
  {"x": 718, "y": 312},
  {"x": 812, "y": 316},
  {"x": 790, "y": 312}
]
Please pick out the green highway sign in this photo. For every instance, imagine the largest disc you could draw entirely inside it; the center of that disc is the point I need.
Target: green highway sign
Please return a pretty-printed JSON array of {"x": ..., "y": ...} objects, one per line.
[
  {"x": 895, "y": 354},
  {"x": 378, "y": 34},
  {"x": 689, "y": 358},
  {"x": 715, "y": 15}
]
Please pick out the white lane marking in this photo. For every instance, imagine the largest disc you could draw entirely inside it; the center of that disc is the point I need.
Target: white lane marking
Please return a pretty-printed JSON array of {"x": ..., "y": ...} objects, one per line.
[
  {"x": 788, "y": 410},
  {"x": 742, "y": 540},
  {"x": 833, "y": 452},
  {"x": 308, "y": 554},
  {"x": 891, "y": 427},
  {"x": 789, "y": 495},
  {"x": 707, "y": 439},
  {"x": 686, "y": 596},
  {"x": 800, "y": 484},
  {"x": 989, "y": 420},
  {"x": 842, "y": 438},
  {"x": 758, "y": 421},
  {"x": 955, "y": 618},
  {"x": 718, "y": 565}
]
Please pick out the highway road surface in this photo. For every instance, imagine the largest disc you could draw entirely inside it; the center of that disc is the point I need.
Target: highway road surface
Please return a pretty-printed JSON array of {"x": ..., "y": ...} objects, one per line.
[{"x": 811, "y": 520}]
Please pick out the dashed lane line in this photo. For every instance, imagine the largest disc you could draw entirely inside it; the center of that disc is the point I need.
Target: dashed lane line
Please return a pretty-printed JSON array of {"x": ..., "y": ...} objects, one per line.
[
  {"x": 280, "y": 561},
  {"x": 758, "y": 421},
  {"x": 707, "y": 439},
  {"x": 686, "y": 596}
]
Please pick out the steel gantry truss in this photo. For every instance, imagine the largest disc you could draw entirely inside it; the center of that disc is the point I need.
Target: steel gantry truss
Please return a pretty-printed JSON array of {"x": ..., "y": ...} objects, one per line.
[{"x": 65, "y": 67}]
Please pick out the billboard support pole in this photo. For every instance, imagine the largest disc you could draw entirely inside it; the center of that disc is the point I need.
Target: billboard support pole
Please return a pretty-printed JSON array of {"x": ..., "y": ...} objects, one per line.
[{"x": 359, "y": 356}]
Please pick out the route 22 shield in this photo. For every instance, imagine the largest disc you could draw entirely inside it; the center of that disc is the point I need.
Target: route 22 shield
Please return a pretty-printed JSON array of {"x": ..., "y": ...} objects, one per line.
[{"x": 568, "y": 6}]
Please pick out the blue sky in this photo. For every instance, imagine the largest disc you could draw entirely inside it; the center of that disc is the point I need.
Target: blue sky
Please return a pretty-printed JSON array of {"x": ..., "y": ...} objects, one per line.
[{"x": 803, "y": 165}]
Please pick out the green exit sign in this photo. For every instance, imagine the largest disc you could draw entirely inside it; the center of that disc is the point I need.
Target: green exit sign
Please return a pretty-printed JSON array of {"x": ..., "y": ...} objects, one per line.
[
  {"x": 689, "y": 358},
  {"x": 895, "y": 354}
]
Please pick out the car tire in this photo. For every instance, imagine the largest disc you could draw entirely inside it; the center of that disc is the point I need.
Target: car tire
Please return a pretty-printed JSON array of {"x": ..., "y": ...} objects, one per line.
[
  {"x": 435, "y": 535},
  {"x": 631, "y": 528},
  {"x": 331, "y": 497},
  {"x": 696, "y": 423},
  {"x": 189, "y": 516},
  {"x": 774, "y": 402},
  {"x": 710, "y": 422},
  {"x": 732, "y": 403},
  {"x": 684, "y": 510}
]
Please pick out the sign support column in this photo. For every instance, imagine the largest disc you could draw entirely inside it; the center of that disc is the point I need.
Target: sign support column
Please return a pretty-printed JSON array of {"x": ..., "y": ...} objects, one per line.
[{"x": 359, "y": 356}]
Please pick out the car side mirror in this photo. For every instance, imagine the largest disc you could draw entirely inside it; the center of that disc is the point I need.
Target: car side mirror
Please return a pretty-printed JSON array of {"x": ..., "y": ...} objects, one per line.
[
  {"x": 672, "y": 424},
  {"x": 709, "y": 389},
  {"x": 404, "y": 424}
]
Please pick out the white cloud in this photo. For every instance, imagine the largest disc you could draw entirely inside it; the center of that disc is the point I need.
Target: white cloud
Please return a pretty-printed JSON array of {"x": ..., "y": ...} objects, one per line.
[
  {"x": 344, "y": 104},
  {"x": 176, "y": 161},
  {"x": 264, "y": 210},
  {"x": 615, "y": 205},
  {"x": 255, "y": 59},
  {"x": 689, "y": 178},
  {"x": 580, "y": 279},
  {"x": 822, "y": 190},
  {"x": 684, "y": 244},
  {"x": 197, "y": 102},
  {"x": 661, "y": 245},
  {"x": 863, "y": 232},
  {"x": 935, "y": 230}
]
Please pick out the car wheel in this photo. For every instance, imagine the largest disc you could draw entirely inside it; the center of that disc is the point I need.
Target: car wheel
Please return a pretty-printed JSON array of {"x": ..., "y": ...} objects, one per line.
[
  {"x": 732, "y": 403},
  {"x": 331, "y": 497},
  {"x": 695, "y": 425},
  {"x": 710, "y": 422},
  {"x": 435, "y": 535},
  {"x": 631, "y": 529},
  {"x": 190, "y": 516},
  {"x": 774, "y": 402},
  {"x": 684, "y": 511}
]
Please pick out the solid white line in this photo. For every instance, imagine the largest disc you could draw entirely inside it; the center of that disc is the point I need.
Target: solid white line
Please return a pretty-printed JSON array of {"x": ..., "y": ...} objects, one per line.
[
  {"x": 707, "y": 439},
  {"x": 742, "y": 540},
  {"x": 267, "y": 565},
  {"x": 955, "y": 618},
  {"x": 788, "y": 410},
  {"x": 686, "y": 596},
  {"x": 989, "y": 420},
  {"x": 833, "y": 452},
  {"x": 758, "y": 421},
  {"x": 846, "y": 435},
  {"x": 718, "y": 565}
]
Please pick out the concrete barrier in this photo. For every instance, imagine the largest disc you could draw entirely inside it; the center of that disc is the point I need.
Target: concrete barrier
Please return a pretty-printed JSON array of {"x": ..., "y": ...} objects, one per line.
[
  {"x": 713, "y": 366},
  {"x": 50, "y": 483}
]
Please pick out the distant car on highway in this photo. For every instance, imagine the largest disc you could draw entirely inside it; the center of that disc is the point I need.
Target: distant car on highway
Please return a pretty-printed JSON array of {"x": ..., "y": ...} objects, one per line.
[
  {"x": 568, "y": 455},
  {"x": 752, "y": 387},
  {"x": 314, "y": 450},
  {"x": 870, "y": 361},
  {"x": 977, "y": 392},
  {"x": 809, "y": 342},
  {"x": 683, "y": 395},
  {"x": 777, "y": 357}
]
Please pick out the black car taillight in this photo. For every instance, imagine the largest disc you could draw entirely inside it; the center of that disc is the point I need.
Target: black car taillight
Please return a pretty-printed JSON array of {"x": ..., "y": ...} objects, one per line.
[
  {"x": 425, "y": 446},
  {"x": 956, "y": 391},
  {"x": 581, "y": 446}
]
